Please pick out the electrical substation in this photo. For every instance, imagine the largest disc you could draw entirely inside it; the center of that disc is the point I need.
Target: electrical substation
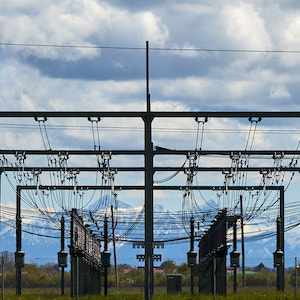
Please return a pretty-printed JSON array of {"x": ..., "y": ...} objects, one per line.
[{"x": 56, "y": 184}]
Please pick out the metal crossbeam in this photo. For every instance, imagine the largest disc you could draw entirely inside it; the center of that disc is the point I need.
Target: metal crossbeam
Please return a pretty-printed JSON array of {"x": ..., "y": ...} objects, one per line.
[
  {"x": 141, "y": 187},
  {"x": 70, "y": 152},
  {"x": 157, "y": 114},
  {"x": 224, "y": 170},
  {"x": 157, "y": 151}
]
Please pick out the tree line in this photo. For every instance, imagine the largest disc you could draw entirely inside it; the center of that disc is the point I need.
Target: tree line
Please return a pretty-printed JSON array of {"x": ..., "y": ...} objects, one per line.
[{"x": 48, "y": 275}]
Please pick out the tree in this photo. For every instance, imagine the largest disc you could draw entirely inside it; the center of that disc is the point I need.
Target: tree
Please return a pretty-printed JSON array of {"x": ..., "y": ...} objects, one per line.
[
  {"x": 168, "y": 266},
  {"x": 260, "y": 267},
  {"x": 292, "y": 278},
  {"x": 122, "y": 267},
  {"x": 183, "y": 267},
  {"x": 9, "y": 260}
]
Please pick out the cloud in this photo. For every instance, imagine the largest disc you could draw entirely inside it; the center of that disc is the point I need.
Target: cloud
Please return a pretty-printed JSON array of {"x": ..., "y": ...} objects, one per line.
[
  {"x": 288, "y": 37},
  {"x": 246, "y": 27},
  {"x": 80, "y": 79},
  {"x": 79, "y": 22},
  {"x": 279, "y": 92}
]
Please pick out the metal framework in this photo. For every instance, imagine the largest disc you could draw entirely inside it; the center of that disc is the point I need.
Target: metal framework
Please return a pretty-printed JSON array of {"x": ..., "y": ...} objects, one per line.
[
  {"x": 156, "y": 151},
  {"x": 148, "y": 168},
  {"x": 148, "y": 152},
  {"x": 224, "y": 170},
  {"x": 152, "y": 114},
  {"x": 280, "y": 270}
]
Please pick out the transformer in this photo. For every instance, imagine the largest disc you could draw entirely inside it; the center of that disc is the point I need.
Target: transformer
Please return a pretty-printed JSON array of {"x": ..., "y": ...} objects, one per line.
[
  {"x": 192, "y": 258},
  {"x": 235, "y": 259},
  {"x": 20, "y": 258},
  {"x": 105, "y": 258},
  {"x": 278, "y": 258},
  {"x": 62, "y": 257}
]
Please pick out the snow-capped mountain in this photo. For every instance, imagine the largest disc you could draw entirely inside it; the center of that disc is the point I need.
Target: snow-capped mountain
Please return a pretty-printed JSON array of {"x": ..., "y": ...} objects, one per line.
[{"x": 41, "y": 243}]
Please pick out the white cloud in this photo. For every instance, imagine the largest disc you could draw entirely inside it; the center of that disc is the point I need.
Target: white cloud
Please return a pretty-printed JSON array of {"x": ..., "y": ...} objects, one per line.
[
  {"x": 76, "y": 22},
  {"x": 279, "y": 92},
  {"x": 246, "y": 27},
  {"x": 288, "y": 39}
]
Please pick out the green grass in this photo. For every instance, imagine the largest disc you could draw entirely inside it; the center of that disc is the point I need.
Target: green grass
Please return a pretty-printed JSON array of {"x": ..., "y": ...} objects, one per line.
[{"x": 28, "y": 295}]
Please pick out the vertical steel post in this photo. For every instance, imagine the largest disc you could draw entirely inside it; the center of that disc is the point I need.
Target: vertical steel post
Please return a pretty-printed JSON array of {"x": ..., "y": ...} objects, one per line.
[
  {"x": 77, "y": 276},
  {"x": 296, "y": 278},
  {"x": 192, "y": 249},
  {"x": 141, "y": 280},
  {"x": 148, "y": 190},
  {"x": 2, "y": 258},
  {"x": 2, "y": 265},
  {"x": 281, "y": 268},
  {"x": 73, "y": 257},
  {"x": 0, "y": 202},
  {"x": 114, "y": 246},
  {"x": 0, "y": 231},
  {"x": 242, "y": 240},
  {"x": 62, "y": 247},
  {"x": 234, "y": 268},
  {"x": 18, "y": 242},
  {"x": 105, "y": 248},
  {"x": 278, "y": 242},
  {"x": 215, "y": 277}
]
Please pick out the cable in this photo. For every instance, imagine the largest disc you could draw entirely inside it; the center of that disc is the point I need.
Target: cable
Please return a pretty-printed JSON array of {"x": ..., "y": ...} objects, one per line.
[{"x": 150, "y": 48}]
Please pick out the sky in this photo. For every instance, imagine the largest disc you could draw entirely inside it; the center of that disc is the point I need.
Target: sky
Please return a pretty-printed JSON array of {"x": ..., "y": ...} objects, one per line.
[
  {"x": 239, "y": 56},
  {"x": 47, "y": 78}
]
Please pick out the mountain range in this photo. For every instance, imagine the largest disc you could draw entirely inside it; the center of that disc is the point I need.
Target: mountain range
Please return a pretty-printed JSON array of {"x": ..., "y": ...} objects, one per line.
[{"x": 41, "y": 243}]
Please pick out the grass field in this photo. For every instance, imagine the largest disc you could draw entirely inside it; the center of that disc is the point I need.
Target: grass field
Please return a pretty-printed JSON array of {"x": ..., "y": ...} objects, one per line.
[{"x": 161, "y": 296}]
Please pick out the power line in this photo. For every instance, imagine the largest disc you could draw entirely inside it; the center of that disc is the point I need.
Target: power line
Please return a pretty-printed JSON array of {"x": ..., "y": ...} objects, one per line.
[
  {"x": 150, "y": 48},
  {"x": 141, "y": 129}
]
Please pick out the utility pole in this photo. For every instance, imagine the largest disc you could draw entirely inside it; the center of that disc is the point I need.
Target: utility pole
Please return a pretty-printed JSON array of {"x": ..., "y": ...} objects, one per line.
[
  {"x": 105, "y": 249},
  {"x": 2, "y": 258},
  {"x": 234, "y": 267},
  {"x": 148, "y": 118},
  {"x": 242, "y": 240},
  {"x": 63, "y": 254},
  {"x": 2, "y": 265},
  {"x": 281, "y": 268},
  {"x": 192, "y": 249},
  {"x": 19, "y": 254},
  {"x": 279, "y": 265},
  {"x": 215, "y": 276},
  {"x": 296, "y": 278},
  {"x": 192, "y": 254},
  {"x": 279, "y": 253},
  {"x": 114, "y": 246}
]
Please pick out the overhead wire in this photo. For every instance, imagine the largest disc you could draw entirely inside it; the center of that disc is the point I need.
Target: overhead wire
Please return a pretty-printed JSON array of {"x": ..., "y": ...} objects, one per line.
[{"x": 47, "y": 45}]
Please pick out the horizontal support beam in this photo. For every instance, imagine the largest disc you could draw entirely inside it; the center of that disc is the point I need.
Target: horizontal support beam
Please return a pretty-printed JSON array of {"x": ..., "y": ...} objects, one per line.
[
  {"x": 70, "y": 169},
  {"x": 227, "y": 170},
  {"x": 160, "y": 151},
  {"x": 228, "y": 114},
  {"x": 224, "y": 170},
  {"x": 71, "y": 152},
  {"x": 71, "y": 114},
  {"x": 158, "y": 114},
  {"x": 156, "y": 187},
  {"x": 229, "y": 153}
]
